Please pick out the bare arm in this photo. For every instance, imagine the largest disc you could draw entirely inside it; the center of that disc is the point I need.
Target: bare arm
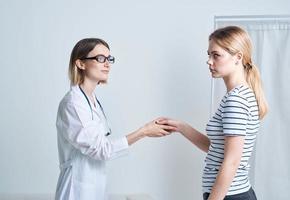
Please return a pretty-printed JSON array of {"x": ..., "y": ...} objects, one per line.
[
  {"x": 151, "y": 129},
  {"x": 232, "y": 157},
  {"x": 197, "y": 138}
]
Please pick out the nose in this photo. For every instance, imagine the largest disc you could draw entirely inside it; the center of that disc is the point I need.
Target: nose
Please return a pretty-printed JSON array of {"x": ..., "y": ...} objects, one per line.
[
  {"x": 209, "y": 62},
  {"x": 107, "y": 64}
]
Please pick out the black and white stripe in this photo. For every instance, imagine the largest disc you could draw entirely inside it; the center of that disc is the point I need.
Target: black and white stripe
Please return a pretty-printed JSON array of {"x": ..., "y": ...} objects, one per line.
[{"x": 237, "y": 115}]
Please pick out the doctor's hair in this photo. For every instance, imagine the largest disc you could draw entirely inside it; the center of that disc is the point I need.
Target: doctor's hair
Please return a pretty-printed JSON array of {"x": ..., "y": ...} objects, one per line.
[
  {"x": 80, "y": 51},
  {"x": 234, "y": 39}
]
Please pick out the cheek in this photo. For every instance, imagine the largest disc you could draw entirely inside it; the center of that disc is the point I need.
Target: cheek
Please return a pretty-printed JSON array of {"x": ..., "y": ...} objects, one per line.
[
  {"x": 220, "y": 61},
  {"x": 223, "y": 65},
  {"x": 94, "y": 70},
  {"x": 97, "y": 67}
]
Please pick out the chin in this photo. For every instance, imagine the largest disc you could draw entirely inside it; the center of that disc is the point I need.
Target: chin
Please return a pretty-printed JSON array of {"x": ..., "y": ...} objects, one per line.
[
  {"x": 103, "y": 77},
  {"x": 103, "y": 80},
  {"x": 215, "y": 76}
]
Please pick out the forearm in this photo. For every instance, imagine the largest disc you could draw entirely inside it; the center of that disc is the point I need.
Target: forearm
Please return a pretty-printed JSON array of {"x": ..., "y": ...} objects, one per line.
[
  {"x": 135, "y": 136},
  {"x": 194, "y": 136},
  {"x": 223, "y": 181}
]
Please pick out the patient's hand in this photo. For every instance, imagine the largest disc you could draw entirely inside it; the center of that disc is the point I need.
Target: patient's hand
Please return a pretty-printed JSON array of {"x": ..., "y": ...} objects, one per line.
[
  {"x": 154, "y": 129},
  {"x": 179, "y": 125}
]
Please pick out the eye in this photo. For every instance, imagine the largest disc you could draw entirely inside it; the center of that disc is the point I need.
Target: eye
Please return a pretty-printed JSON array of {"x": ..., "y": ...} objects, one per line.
[
  {"x": 101, "y": 58},
  {"x": 216, "y": 56}
]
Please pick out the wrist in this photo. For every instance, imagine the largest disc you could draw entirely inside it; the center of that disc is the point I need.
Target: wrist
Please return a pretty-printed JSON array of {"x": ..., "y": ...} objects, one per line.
[
  {"x": 141, "y": 133},
  {"x": 182, "y": 127},
  {"x": 135, "y": 136}
]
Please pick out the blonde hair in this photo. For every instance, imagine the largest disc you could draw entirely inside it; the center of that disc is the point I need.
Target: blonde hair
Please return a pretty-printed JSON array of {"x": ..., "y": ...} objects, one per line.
[
  {"x": 234, "y": 39},
  {"x": 80, "y": 51}
]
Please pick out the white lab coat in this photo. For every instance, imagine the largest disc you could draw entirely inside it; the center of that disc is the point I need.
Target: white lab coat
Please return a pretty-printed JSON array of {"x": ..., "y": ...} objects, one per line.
[{"x": 83, "y": 148}]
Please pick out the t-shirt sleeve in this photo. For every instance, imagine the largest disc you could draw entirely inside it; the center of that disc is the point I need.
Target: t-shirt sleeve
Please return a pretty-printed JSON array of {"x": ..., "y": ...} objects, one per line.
[{"x": 235, "y": 116}]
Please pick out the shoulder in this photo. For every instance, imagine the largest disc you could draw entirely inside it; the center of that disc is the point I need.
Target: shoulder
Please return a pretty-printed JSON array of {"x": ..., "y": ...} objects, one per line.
[
  {"x": 73, "y": 100},
  {"x": 240, "y": 96},
  {"x": 72, "y": 97},
  {"x": 74, "y": 108}
]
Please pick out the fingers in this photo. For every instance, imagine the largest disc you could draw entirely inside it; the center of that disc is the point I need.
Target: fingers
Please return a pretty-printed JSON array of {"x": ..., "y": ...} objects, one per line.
[
  {"x": 168, "y": 122},
  {"x": 161, "y": 133},
  {"x": 168, "y": 128},
  {"x": 161, "y": 120},
  {"x": 159, "y": 127},
  {"x": 164, "y": 132},
  {"x": 156, "y": 135}
]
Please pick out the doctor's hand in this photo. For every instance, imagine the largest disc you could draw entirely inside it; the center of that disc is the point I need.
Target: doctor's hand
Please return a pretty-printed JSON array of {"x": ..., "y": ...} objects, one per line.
[
  {"x": 179, "y": 125},
  {"x": 153, "y": 129}
]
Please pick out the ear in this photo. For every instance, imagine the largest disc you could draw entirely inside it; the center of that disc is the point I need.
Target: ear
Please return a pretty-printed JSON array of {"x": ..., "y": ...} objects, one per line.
[
  {"x": 239, "y": 56},
  {"x": 80, "y": 64}
]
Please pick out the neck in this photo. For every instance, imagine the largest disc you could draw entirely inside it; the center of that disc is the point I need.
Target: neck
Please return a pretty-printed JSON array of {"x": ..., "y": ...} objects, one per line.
[
  {"x": 88, "y": 86},
  {"x": 235, "y": 79}
]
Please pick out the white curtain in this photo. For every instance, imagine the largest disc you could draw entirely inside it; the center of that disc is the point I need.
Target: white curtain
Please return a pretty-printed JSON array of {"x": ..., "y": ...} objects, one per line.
[{"x": 270, "y": 173}]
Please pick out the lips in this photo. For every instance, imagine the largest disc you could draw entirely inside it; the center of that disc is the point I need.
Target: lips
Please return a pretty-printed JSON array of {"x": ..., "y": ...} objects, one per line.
[
  {"x": 105, "y": 71},
  {"x": 212, "y": 71}
]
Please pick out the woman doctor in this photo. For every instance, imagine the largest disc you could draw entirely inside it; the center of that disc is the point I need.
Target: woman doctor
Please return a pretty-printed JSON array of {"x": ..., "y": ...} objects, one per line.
[{"x": 82, "y": 128}]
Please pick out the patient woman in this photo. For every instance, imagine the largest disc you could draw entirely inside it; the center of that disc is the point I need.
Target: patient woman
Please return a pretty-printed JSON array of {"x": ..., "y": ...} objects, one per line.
[
  {"x": 231, "y": 132},
  {"x": 84, "y": 144}
]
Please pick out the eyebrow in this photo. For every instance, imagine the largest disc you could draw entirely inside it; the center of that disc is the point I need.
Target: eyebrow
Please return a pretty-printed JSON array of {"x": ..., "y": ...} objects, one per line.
[{"x": 212, "y": 52}]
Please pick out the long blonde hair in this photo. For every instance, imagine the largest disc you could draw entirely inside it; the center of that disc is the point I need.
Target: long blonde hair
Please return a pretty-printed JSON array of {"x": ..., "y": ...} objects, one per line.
[{"x": 234, "y": 39}]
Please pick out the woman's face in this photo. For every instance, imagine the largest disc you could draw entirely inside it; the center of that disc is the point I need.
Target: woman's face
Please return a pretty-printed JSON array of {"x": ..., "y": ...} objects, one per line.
[
  {"x": 220, "y": 62},
  {"x": 97, "y": 71}
]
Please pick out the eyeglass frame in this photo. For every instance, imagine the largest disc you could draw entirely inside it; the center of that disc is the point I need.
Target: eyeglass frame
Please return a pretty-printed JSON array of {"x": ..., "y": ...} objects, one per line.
[{"x": 96, "y": 58}]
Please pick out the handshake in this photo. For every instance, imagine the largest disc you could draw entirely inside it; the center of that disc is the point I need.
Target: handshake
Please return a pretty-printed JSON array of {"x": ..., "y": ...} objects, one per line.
[
  {"x": 157, "y": 128},
  {"x": 160, "y": 127}
]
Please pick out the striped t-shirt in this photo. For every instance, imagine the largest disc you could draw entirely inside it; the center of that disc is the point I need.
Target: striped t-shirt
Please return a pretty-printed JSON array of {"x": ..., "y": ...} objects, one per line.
[{"x": 237, "y": 115}]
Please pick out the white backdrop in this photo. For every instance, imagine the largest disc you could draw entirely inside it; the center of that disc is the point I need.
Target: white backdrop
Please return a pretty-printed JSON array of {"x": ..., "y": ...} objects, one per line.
[
  {"x": 160, "y": 49},
  {"x": 271, "y": 40}
]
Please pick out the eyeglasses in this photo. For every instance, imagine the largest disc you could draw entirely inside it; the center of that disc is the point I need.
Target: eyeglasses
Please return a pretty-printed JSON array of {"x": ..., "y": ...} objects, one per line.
[{"x": 101, "y": 58}]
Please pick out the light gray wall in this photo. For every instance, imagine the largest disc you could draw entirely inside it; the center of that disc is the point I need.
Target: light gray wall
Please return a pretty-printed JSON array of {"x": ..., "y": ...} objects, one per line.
[{"x": 160, "y": 48}]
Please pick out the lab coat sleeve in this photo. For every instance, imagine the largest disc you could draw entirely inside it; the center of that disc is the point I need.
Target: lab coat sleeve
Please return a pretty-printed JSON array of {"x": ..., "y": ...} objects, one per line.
[{"x": 86, "y": 134}]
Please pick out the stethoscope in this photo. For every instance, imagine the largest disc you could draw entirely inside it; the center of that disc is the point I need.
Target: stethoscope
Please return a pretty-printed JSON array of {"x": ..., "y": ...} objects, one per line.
[{"x": 110, "y": 131}]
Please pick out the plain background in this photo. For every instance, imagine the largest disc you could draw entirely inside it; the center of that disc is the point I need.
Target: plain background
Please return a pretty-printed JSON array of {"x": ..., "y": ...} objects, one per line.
[{"x": 160, "y": 70}]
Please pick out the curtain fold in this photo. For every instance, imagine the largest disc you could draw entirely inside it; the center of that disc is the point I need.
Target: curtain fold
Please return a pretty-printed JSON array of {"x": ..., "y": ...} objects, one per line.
[{"x": 270, "y": 173}]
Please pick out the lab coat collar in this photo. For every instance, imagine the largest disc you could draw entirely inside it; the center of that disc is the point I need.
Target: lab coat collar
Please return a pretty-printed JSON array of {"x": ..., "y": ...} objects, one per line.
[{"x": 77, "y": 90}]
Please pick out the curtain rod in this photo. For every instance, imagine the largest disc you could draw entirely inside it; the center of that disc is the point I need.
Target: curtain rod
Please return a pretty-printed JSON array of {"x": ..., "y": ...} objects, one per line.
[{"x": 236, "y": 17}]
